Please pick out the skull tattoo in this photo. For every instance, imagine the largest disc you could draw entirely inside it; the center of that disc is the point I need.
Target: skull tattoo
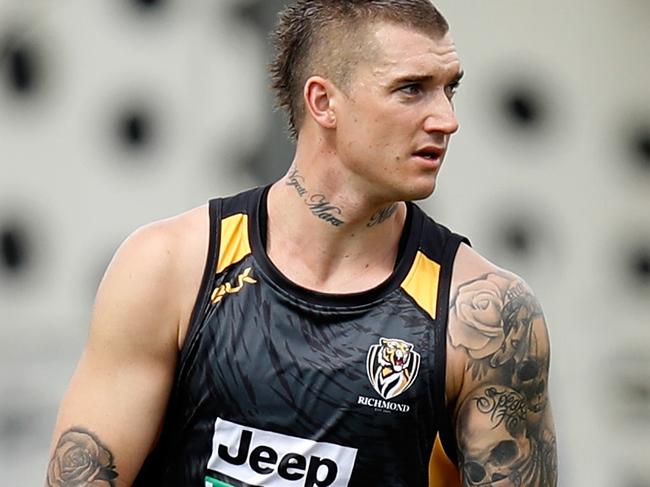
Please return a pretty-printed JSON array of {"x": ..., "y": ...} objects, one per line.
[
  {"x": 494, "y": 439},
  {"x": 497, "y": 444}
]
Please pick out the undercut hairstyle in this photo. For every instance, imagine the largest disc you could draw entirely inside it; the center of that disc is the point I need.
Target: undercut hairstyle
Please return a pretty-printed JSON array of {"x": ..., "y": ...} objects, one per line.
[{"x": 330, "y": 38}]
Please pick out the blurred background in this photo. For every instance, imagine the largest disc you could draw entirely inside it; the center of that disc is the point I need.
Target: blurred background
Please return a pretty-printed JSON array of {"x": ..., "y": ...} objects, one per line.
[{"x": 114, "y": 113}]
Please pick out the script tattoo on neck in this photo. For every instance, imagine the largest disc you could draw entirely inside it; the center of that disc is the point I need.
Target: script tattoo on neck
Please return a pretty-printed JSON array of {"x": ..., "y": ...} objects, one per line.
[
  {"x": 317, "y": 203},
  {"x": 297, "y": 181},
  {"x": 382, "y": 215}
]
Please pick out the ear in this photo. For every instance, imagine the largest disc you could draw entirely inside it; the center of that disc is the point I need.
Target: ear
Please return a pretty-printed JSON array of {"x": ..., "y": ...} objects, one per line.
[
  {"x": 383, "y": 341},
  {"x": 318, "y": 101}
]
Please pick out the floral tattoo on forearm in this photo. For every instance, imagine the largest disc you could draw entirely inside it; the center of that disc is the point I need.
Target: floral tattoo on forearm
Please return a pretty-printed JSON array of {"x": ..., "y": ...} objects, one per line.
[{"x": 81, "y": 460}]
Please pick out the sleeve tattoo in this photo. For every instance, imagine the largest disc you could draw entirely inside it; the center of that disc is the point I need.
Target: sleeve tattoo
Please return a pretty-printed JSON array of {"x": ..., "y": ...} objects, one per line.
[
  {"x": 504, "y": 428},
  {"x": 81, "y": 460}
]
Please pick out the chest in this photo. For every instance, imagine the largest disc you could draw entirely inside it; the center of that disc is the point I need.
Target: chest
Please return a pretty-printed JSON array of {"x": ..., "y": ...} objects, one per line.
[{"x": 262, "y": 354}]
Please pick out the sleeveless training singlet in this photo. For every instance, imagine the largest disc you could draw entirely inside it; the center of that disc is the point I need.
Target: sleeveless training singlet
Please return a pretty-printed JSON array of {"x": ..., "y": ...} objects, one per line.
[{"x": 281, "y": 386}]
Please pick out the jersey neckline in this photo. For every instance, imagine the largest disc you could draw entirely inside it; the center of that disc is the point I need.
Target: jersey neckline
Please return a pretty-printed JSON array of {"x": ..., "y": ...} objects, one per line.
[{"x": 408, "y": 246}]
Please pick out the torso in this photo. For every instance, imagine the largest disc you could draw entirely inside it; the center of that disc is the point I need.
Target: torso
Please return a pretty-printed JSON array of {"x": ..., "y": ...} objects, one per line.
[
  {"x": 337, "y": 375},
  {"x": 194, "y": 226}
]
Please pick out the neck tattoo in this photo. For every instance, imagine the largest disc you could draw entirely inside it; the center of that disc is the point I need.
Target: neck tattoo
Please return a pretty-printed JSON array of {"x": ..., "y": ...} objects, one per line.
[
  {"x": 317, "y": 203},
  {"x": 382, "y": 215}
]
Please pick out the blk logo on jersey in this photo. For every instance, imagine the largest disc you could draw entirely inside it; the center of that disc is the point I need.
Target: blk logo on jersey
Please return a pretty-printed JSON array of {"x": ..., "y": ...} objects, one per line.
[
  {"x": 242, "y": 279},
  {"x": 245, "y": 456},
  {"x": 392, "y": 366}
]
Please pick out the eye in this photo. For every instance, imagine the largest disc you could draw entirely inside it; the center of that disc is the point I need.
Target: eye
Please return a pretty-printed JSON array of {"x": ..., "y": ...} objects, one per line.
[
  {"x": 411, "y": 89},
  {"x": 452, "y": 88}
]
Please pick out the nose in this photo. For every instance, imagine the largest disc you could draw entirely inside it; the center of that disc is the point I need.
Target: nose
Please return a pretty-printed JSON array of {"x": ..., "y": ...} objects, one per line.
[{"x": 442, "y": 116}]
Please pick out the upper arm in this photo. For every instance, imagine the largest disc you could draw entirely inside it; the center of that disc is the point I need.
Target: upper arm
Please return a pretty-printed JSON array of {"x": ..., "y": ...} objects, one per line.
[
  {"x": 113, "y": 408},
  {"x": 504, "y": 425}
]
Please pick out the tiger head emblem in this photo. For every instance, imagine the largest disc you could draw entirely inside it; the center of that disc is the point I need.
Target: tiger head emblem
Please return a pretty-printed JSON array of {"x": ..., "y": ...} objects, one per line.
[{"x": 392, "y": 366}]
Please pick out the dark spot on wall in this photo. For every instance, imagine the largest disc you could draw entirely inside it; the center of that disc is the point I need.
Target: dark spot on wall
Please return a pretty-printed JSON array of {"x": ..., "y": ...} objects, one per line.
[
  {"x": 148, "y": 5},
  {"x": 518, "y": 237},
  {"x": 523, "y": 107},
  {"x": 21, "y": 66},
  {"x": 640, "y": 147},
  {"x": 639, "y": 265},
  {"x": 135, "y": 128},
  {"x": 14, "y": 248}
]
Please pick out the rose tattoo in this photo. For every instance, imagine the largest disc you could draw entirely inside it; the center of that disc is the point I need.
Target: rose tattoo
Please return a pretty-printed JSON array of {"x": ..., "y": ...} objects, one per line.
[
  {"x": 80, "y": 460},
  {"x": 478, "y": 308},
  {"x": 494, "y": 319}
]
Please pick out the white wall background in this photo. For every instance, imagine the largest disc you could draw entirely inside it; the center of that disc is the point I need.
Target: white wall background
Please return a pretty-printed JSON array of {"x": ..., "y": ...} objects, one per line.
[{"x": 564, "y": 200}]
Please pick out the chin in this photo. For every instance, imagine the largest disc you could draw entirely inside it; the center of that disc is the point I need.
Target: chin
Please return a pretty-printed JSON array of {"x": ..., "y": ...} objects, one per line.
[
  {"x": 405, "y": 189},
  {"x": 420, "y": 191}
]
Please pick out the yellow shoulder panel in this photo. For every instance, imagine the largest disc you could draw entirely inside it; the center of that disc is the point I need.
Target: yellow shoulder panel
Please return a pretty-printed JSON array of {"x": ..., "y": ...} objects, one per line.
[
  {"x": 442, "y": 472},
  {"x": 234, "y": 241},
  {"x": 421, "y": 283}
]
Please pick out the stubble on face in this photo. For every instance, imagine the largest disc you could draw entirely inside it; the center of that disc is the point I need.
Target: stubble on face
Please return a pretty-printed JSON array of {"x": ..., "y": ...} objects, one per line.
[{"x": 381, "y": 126}]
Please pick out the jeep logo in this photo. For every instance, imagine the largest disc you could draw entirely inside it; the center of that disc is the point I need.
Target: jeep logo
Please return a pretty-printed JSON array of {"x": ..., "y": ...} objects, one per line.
[{"x": 259, "y": 457}]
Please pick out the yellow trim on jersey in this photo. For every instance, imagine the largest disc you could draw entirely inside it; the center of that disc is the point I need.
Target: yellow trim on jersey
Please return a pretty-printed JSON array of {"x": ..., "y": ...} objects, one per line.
[
  {"x": 234, "y": 241},
  {"x": 422, "y": 283},
  {"x": 442, "y": 472}
]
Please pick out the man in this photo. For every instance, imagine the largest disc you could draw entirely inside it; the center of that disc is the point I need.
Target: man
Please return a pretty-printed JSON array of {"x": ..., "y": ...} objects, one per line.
[{"x": 321, "y": 331}]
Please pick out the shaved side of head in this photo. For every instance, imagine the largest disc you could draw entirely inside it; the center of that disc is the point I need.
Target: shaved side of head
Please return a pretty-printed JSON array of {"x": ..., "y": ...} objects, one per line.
[{"x": 331, "y": 38}]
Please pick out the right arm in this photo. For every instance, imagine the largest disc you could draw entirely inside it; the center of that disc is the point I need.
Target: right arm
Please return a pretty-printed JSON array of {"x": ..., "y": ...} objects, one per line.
[{"x": 112, "y": 412}]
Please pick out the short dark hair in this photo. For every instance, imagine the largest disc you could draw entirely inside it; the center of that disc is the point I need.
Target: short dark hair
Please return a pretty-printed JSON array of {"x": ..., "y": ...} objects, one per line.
[{"x": 326, "y": 37}]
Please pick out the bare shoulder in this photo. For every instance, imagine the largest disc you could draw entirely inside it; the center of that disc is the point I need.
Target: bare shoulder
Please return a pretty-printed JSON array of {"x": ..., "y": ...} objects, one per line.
[
  {"x": 472, "y": 296},
  {"x": 164, "y": 241},
  {"x": 491, "y": 311},
  {"x": 469, "y": 264},
  {"x": 158, "y": 267}
]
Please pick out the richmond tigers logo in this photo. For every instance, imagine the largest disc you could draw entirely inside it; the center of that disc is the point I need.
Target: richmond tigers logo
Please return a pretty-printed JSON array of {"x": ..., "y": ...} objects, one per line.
[{"x": 392, "y": 366}]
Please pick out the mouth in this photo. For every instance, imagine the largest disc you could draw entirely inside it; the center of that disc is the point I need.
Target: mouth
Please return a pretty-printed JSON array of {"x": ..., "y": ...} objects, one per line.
[{"x": 433, "y": 154}]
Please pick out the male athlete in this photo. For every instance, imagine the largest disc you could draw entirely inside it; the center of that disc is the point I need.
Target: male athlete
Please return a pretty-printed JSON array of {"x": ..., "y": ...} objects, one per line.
[{"x": 321, "y": 331}]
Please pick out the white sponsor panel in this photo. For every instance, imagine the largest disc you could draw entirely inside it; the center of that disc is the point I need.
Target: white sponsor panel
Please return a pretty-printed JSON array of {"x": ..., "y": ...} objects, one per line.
[{"x": 270, "y": 459}]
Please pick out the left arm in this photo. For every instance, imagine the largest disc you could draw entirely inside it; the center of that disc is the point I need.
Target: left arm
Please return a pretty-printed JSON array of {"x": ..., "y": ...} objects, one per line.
[{"x": 504, "y": 424}]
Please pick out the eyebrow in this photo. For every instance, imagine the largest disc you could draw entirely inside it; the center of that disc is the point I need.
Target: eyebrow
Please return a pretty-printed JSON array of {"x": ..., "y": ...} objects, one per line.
[
  {"x": 458, "y": 77},
  {"x": 426, "y": 77}
]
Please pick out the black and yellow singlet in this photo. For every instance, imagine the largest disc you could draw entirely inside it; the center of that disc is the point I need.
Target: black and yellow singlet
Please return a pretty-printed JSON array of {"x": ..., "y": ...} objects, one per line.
[{"x": 281, "y": 386}]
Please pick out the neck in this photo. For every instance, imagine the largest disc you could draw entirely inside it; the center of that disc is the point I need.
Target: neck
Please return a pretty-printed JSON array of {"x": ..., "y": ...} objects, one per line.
[{"x": 325, "y": 236}]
